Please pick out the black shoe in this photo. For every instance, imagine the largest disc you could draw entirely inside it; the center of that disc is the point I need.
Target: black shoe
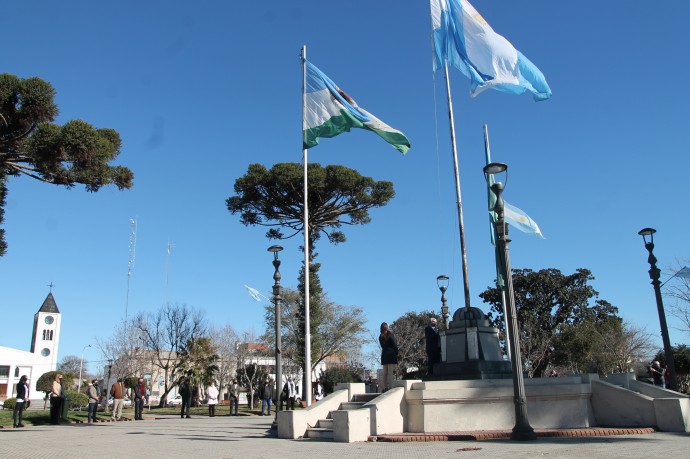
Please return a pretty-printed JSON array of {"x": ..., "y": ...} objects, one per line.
[{"x": 189, "y": 417}]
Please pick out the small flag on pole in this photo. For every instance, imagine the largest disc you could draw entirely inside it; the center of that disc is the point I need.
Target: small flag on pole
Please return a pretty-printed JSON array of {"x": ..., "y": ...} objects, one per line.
[
  {"x": 683, "y": 273},
  {"x": 464, "y": 40},
  {"x": 520, "y": 220},
  {"x": 254, "y": 293},
  {"x": 330, "y": 111}
]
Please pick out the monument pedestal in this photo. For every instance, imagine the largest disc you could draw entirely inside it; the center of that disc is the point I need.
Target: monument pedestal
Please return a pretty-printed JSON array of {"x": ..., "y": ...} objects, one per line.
[{"x": 470, "y": 349}]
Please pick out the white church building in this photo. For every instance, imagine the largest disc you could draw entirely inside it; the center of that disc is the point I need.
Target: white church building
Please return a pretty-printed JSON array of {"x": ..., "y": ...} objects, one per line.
[{"x": 40, "y": 359}]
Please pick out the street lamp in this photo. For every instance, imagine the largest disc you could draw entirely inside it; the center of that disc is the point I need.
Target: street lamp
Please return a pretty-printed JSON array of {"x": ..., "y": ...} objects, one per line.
[
  {"x": 277, "y": 298},
  {"x": 81, "y": 362},
  {"x": 522, "y": 429},
  {"x": 442, "y": 282},
  {"x": 654, "y": 274}
]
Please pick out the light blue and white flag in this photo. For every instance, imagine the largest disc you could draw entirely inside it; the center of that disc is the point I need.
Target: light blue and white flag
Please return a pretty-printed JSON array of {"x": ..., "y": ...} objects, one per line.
[
  {"x": 254, "y": 293},
  {"x": 467, "y": 42},
  {"x": 330, "y": 111},
  {"x": 520, "y": 220},
  {"x": 683, "y": 273}
]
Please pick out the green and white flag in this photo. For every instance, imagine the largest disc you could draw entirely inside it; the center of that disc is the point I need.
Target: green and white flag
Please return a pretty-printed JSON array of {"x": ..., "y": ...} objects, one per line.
[{"x": 330, "y": 111}]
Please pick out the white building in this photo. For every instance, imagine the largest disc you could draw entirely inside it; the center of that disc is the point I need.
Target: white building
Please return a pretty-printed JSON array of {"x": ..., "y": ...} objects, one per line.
[{"x": 40, "y": 359}]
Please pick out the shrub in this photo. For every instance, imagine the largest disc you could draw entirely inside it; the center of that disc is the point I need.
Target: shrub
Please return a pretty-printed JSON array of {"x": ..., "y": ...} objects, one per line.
[
  {"x": 332, "y": 376},
  {"x": 77, "y": 399},
  {"x": 10, "y": 403}
]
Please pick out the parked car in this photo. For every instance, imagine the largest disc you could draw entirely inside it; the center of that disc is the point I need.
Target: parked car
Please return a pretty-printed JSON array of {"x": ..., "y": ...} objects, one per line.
[
  {"x": 176, "y": 400},
  {"x": 127, "y": 401}
]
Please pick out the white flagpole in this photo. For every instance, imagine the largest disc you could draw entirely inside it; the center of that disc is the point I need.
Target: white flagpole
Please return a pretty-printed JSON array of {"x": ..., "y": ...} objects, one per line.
[
  {"x": 499, "y": 283},
  {"x": 465, "y": 277},
  {"x": 307, "y": 333}
]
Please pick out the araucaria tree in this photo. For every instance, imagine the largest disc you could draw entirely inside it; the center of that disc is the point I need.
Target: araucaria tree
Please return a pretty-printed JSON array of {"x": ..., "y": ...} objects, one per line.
[
  {"x": 32, "y": 145},
  {"x": 337, "y": 196}
]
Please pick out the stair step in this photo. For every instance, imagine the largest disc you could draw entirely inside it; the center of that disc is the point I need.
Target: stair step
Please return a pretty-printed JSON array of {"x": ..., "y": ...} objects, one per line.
[
  {"x": 318, "y": 432},
  {"x": 351, "y": 405},
  {"x": 364, "y": 397},
  {"x": 325, "y": 423}
]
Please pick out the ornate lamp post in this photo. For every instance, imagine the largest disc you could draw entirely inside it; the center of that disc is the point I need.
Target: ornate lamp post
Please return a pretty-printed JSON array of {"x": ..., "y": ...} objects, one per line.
[
  {"x": 522, "y": 429},
  {"x": 442, "y": 282},
  {"x": 654, "y": 274},
  {"x": 107, "y": 385},
  {"x": 277, "y": 299},
  {"x": 81, "y": 363}
]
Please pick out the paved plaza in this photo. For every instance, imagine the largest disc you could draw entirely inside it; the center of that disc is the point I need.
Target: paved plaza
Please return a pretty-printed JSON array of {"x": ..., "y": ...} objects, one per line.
[{"x": 251, "y": 437}]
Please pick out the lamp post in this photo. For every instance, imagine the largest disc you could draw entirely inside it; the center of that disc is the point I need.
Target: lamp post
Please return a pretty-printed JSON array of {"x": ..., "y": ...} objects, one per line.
[
  {"x": 276, "y": 299},
  {"x": 442, "y": 282},
  {"x": 107, "y": 385},
  {"x": 522, "y": 429},
  {"x": 81, "y": 363},
  {"x": 654, "y": 274}
]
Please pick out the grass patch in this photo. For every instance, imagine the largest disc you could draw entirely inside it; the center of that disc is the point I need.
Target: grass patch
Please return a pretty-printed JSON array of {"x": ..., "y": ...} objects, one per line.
[{"x": 42, "y": 417}]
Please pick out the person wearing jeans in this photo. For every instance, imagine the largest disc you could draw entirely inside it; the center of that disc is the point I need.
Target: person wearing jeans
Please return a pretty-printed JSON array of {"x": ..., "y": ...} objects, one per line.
[
  {"x": 266, "y": 392},
  {"x": 22, "y": 397},
  {"x": 92, "y": 392}
]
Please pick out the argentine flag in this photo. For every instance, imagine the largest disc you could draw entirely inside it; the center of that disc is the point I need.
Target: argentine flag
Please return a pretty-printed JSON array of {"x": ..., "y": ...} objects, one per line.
[
  {"x": 520, "y": 220},
  {"x": 330, "y": 111},
  {"x": 467, "y": 42}
]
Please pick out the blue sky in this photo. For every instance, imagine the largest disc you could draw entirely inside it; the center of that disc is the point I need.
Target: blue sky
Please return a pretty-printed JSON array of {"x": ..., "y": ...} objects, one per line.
[{"x": 200, "y": 92}]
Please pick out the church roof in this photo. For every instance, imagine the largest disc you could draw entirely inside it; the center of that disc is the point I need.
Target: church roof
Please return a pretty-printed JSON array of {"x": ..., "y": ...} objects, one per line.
[{"x": 49, "y": 305}]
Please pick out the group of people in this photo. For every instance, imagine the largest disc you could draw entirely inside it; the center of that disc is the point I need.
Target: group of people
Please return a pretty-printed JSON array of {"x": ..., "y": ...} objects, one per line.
[{"x": 389, "y": 351}]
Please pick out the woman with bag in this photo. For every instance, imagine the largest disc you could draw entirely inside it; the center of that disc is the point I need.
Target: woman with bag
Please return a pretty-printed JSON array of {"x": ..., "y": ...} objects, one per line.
[{"x": 22, "y": 401}]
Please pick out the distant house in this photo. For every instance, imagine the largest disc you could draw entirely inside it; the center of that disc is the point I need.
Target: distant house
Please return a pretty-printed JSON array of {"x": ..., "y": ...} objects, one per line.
[{"x": 41, "y": 357}]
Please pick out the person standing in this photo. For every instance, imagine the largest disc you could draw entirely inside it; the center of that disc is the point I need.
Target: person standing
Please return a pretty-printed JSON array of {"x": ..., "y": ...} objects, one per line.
[
  {"x": 657, "y": 374},
  {"x": 234, "y": 397},
  {"x": 118, "y": 392},
  {"x": 56, "y": 398},
  {"x": 22, "y": 399},
  {"x": 212, "y": 394},
  {"x": 318, "y": 390},
  {"x": 186, "y": 393},
  {"x": 266, "y": 392},
  {"x": 92, "y": 392},
  {"x": 433, "y": 345},
  {"x": 389, "y": 355},
  {"x": 289, "y": 393},
  {"x": 139, "y": 397}
]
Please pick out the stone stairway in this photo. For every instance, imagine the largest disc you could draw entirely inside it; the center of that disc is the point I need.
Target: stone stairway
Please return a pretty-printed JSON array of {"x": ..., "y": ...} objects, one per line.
[{"x": 324, "y": 427}]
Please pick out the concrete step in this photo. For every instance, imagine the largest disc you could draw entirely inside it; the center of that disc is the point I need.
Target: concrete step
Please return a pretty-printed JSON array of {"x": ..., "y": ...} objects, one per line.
[
  {"x": 364, "y": 397},
  {"x": 351, "y": 405},
  {"x": 321, "y": 433},
  {"x": 325, "y": 423}
]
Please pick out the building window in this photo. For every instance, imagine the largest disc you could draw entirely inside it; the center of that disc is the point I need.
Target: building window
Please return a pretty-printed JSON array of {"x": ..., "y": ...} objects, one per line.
[
  {"x": 44, "y": 334},
  {"x": 16, "y": 372},
  {"x": 47, "y": 335},
  {"x": 51, "y": 335},
  {"x": 4, "y": 371}
]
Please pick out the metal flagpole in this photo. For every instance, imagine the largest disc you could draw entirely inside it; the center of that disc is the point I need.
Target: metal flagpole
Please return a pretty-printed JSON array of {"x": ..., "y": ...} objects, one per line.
[
  {"x": 465, "y": 278},
  {"x": 307, "y": 332},
  {"x": 132, "y": 253},
  {"x": 500, "y": 282}
]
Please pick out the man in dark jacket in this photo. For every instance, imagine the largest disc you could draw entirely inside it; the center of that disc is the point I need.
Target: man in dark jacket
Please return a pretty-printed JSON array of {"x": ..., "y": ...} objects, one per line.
[
  {"x": 186, "y": 393},
  {"x": 139, "y": 396},
  {"x": 266, "y": 391},
  {"x": 433, "y": 345}
]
